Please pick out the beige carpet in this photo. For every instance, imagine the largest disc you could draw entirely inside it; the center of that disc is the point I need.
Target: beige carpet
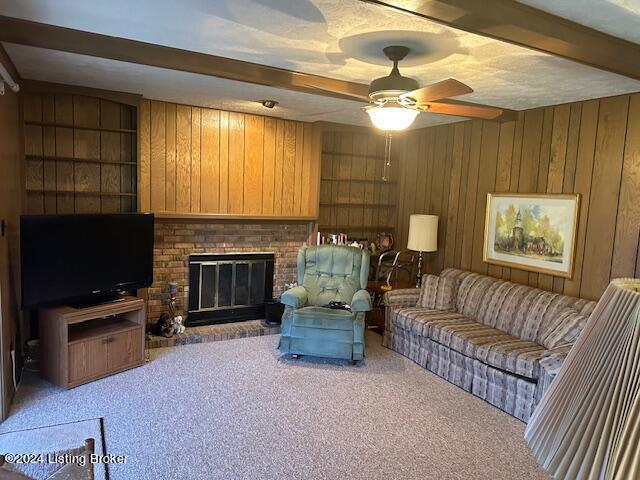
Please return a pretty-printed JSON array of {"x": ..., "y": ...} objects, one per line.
[
  {"x": 55, "y": 438},
  {"x": 236, "y": 410}
]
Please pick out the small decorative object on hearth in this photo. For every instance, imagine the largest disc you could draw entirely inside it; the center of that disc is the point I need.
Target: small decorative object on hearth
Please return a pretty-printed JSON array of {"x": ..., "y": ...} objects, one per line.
[
  {"x": 177, "y": 325},
  {"x": 423, "y": 237},
  {"x": 168, "y": 323},
  {"x": 587, "y": 425},
  {"x": 164, "y": 326}
]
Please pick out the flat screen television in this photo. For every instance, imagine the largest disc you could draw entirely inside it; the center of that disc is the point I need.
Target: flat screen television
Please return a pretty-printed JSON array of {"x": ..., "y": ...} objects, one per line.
[{"x": 84, "y": 258}]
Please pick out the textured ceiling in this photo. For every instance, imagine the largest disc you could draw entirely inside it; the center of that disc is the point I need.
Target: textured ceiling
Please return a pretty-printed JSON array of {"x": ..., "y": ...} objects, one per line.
[
  {"x": 191, "y": 89},
  {"x": 620, "y": 18},
  {"x": 337, "y": 38}
]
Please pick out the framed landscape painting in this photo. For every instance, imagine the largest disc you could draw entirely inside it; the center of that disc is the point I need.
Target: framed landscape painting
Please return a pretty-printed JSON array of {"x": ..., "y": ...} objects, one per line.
[{"x": 535, "y": 232}]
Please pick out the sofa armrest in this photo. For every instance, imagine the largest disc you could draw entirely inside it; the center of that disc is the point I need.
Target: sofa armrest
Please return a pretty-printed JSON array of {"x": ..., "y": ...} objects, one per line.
[
  {"x": 552, "y": 360},
  {"x": 550, "y": 365},
  {"x": 361, "y": 301},
  {"x": 403, "y": 297},
  {"x": 295, "y": 297}
]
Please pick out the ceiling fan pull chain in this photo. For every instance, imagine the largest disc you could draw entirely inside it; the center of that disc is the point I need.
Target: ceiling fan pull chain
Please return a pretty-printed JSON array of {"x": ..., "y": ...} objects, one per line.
[{"x": 387, "y": 158}]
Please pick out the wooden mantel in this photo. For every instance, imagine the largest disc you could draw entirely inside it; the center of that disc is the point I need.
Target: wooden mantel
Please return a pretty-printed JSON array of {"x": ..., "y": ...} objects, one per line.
[{"x": 206, "y": 217}]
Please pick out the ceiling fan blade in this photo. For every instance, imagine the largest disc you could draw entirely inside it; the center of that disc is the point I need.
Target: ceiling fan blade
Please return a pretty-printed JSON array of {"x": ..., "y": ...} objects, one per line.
[
  {"x": 444, "y": 89},
  {"x": 346, "y": 96},
  {"x": 461, "y": 110}
]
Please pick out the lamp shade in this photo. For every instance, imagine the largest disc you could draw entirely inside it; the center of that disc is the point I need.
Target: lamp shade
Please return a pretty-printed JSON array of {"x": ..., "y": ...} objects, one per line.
[
  {"x": 587, "y": 425},
  {"x": 388, "y": 117},
  {"x": 423, "y": 233}
]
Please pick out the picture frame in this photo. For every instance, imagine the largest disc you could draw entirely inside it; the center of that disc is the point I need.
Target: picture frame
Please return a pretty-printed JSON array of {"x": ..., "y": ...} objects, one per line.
[{"x": 532, "y": 231}]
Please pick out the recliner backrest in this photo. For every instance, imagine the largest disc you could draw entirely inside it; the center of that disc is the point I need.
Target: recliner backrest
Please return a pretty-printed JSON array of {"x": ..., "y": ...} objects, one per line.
[{"x": 332, "y": 272}]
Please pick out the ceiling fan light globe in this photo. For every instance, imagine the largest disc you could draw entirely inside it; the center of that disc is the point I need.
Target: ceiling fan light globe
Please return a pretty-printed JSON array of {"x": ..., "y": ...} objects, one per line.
[{"x": 391, "y": 118}]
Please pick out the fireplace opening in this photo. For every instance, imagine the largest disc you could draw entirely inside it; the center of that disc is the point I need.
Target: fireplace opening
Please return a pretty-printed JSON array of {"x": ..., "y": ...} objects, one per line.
[{"x": 228, "y": 287}]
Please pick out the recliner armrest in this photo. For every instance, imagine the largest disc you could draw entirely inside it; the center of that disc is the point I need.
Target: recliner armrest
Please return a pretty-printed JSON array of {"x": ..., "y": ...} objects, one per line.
[
  {"x": 361, "y": 301},
  {"x": 402, "y": 297},
  {"x": 295, "y": 297}
]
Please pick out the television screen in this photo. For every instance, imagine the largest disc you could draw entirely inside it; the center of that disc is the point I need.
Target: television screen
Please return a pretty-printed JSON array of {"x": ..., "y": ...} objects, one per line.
[{"x": 77, "y": 257}]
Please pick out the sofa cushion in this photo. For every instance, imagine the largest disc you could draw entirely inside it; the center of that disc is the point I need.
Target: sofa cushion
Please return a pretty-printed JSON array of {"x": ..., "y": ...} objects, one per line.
[
  {"x": 463, "y": 334},
  {"x": 418, "y": 319},
  {"x": 564, "y": 329},
  {"x": 323, "y": 318},
  {"x": 438, "y": 293},
  {"x": 524, "y": 312},
  {"x": 512, "y": 355},
  {"x": 489, "y": 345}
]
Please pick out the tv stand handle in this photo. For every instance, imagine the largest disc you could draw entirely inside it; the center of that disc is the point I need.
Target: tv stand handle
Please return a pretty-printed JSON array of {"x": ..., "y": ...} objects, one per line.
[{"x": 107, "y": 340}]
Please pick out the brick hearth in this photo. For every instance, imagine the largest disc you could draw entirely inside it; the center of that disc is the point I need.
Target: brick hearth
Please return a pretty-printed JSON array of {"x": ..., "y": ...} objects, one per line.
[
  {"x": 214, "y": 333},
  {"x": 174, "y": 241}
]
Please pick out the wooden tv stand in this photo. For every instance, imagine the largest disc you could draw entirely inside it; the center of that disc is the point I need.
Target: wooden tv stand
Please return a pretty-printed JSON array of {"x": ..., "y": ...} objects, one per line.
[{"x": 79, "y": 345}]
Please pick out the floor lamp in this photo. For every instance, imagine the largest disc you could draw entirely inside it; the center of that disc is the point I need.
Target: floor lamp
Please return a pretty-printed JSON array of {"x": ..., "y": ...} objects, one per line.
[
  {"x": 423, "y": 237},
  {"x": 587, "y": 425}
]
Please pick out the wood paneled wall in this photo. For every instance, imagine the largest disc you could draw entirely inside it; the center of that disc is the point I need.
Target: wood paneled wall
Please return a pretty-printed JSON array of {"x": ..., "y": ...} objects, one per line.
[
  {"x": 206, "y": 161},
  {"x": 353, "y": 197},
  {"x": 80, "y": 154},
  {"x": 11, "y": 207},
  {"x": 591, "y": 148}
]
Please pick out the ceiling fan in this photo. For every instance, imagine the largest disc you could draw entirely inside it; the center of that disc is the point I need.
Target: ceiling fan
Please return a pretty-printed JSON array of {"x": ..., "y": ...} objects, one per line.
[{"x": 396, "y": 100}]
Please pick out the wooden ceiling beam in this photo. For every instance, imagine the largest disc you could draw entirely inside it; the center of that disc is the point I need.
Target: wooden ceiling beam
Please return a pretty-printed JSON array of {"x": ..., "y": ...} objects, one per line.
[
  {"x": 40, "y": 35},
  {"x": 33, "y": 34},
  {"x": 519, "y": 24}
]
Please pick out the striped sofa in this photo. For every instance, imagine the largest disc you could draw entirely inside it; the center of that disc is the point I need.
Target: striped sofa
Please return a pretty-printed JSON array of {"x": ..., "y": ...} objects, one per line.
[{"x": 499, "y": 340}]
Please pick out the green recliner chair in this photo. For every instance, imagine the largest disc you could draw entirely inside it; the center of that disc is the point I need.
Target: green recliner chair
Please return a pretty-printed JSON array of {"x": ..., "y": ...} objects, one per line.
[{"x": 327, "y": 273}]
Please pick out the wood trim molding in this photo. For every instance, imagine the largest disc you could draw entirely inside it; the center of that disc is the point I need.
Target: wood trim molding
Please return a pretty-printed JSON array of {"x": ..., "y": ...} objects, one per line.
[
  {"x": 522, "y": 25},
  {"x": 36, "y": 86},
  {"x": 211, "y": 217}
]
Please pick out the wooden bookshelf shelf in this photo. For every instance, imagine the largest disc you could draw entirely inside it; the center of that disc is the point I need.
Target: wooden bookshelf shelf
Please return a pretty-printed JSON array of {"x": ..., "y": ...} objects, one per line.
[
  {"x": 80, "y": 127},
  {"x": 354, "y": 155},
  {"x": 80, "y": 192},
  {"x": 346, "y": 228},
  {"x": 358, "y": 180},
  {"x": 81, "y": 332},
  {"x": 77, "y": 160},
  {"x": 365, "y": 205}
]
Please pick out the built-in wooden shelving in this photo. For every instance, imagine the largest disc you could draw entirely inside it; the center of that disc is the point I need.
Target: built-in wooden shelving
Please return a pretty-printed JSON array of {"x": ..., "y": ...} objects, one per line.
[
  {"x": 347, "y": 228},
  {"x": 363, "y": 205},
  {"x": 354, "y": 155},
  {"x": 80, "y": 153},
  {"x": 80, "y": 192},
  {"x": 359, "y": 180},
  {"x": 354, "y": 199},
  {"x": 81, "y": 127},
  {"x": 78, "y": 160}
]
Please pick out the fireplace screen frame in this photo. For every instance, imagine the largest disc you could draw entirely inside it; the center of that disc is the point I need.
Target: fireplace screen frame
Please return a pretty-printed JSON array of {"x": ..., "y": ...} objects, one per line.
[{"x": 214, "y": 312}]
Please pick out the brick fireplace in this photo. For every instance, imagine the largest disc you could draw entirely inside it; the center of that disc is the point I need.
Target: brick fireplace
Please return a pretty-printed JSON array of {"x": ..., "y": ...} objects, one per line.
[{"x": 175, "y": 241}]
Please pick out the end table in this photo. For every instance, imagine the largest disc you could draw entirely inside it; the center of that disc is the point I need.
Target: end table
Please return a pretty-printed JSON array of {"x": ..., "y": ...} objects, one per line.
[{"x": 375, "y": 317}]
